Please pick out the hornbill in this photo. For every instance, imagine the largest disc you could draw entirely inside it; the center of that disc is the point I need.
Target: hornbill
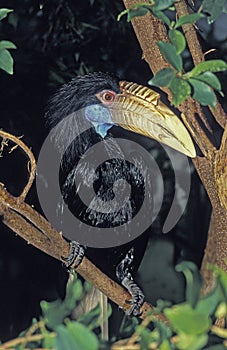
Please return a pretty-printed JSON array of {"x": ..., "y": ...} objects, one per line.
[{"x": 110, "y": 105}]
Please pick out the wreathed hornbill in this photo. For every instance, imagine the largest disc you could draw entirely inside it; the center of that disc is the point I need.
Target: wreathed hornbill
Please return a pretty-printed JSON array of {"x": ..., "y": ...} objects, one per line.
[{"x": 107, "y": 104}]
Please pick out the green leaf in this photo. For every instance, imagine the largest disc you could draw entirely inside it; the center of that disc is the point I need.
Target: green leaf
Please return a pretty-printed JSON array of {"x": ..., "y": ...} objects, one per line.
[
  {"x": 187, "y": 320},
  {"x": 74, "y": 292},
  {"x": 193, "y": 281},
  {"x": 177, "y": 39},
  {"x": 139, "y": 9},
  {"x": 210, "y": 79},
  {"x": 13, "y": 19},
  {"x": 6, "y": 61},
  {"x": 203, "y": 93},
  {"x": 214, "y": 8},
  {"x": 64, "y": 340},
  {"x": 210, "y": 66},
  {"x": 56, "y": 311},
  {"x": 221, "y": 311},
  {"x": 221, "y": 277},
  {"x": 162, "y": 77},
  {"x": 92, "y": 318},
  {"x": 209, "y": 303},
  {"x": 169, "y": 52},
  {"x": 161, "y": 15},
  {"x": 180, "y": 90},
  {"x": 188, "y": 19},
  {"x": 165, "y": 332},
  {"x": 165, "y": 345},
  {"x": 190, "y": 341},
  {"x": 48, "y": 339},
  {"x": 146, "y": 337},
  {"x": 4, "y": 12},
  {"x": 163, "y": 5},
  {"x": 83, "y": 338},
  {"x": 4, "y": 44}
]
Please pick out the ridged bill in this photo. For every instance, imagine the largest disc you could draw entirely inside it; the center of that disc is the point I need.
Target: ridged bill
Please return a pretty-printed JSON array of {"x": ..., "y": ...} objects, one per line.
[{"x": 140, "y": 110}]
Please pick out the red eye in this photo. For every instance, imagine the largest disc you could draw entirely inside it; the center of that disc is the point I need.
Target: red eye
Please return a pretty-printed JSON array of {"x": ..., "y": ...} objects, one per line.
[{"x": 106, "y": 96}]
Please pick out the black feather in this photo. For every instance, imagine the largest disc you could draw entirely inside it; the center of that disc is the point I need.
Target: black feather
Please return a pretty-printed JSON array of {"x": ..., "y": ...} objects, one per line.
[
  {"x": 78, "y": 93},
  {"x": 73, "y": 96}
]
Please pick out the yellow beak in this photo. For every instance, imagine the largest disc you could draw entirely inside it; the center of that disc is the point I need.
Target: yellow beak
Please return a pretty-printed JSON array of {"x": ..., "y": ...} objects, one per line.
[{"x": 139, "y": 109}]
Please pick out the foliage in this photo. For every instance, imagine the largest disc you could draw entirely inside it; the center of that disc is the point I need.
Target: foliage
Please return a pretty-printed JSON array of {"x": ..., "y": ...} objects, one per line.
[
  {"x": 56, "y": 329},
  {"x": 214, "y": 8},
  {"x": 200, "y": 82},
  {"x": 67, "y": 38},
  {"x": 190, "y": 324},
  {"x": 6, "y": 59}
]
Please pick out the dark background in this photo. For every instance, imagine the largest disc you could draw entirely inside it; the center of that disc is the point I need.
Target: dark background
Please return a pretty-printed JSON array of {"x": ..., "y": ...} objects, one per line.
[{"x": 57, "y": 40}]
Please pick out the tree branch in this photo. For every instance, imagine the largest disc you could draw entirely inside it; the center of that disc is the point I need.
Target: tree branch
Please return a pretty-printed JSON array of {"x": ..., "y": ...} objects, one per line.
[
  {"x": 31, "y": 163},
  {"x": 198, "y": 56},
  {"x": 220, "y": 170},
  {"x": 36, "y": 230}
]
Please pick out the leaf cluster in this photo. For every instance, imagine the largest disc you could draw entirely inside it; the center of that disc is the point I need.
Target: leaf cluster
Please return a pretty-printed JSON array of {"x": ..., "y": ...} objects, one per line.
[
  {"x": 201, "y": 82},
  {"x": 56, "y": 329},
  {"x": 190, "y": 324},
  {"x": 6, "y": 59}
]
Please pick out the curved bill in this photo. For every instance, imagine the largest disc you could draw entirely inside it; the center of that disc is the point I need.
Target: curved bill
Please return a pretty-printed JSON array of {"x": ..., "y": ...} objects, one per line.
[{"x": 139, "y": 109}]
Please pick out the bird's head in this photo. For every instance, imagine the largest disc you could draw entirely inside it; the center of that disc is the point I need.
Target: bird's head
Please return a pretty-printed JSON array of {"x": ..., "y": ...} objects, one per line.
[{"x": 108, "y": 101}]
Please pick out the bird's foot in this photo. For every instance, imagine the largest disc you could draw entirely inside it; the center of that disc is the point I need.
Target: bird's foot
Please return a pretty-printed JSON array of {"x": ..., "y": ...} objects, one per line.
[
  {"x": 136, "y": 294},
  {"x": 76, "y": 253},
  {"x": 124, "y": 275}
]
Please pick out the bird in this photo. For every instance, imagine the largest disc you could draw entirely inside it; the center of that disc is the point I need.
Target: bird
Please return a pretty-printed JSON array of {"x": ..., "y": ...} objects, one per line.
[{"x": 113, "y": 109}]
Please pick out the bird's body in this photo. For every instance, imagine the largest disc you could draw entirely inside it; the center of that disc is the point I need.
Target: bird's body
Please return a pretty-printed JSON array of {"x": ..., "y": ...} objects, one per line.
[
  {"x": 107, "y": 183},
  {"x": 94, "y": 96}
]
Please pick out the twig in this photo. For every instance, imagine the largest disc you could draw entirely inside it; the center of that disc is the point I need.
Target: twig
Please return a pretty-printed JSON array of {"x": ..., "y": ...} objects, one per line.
[
  {"x": 29, "y": 154},
  {"x": 11, "y": 344}
]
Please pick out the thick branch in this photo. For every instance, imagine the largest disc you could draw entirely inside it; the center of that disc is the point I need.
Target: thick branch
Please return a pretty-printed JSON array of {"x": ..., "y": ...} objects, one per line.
[
  {"x": 215, "y": 251},
  {"x": 149, "y": 30},
  {"x": 32, "y": 227},
  {"x": 220, "y": 171}
]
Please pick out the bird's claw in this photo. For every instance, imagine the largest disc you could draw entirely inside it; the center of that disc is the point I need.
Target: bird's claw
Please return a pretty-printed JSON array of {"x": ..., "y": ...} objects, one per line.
[
  {"x": 76, "y": 252},
  {"x": 137, "y": 297},
  {"x": 124, "y": 275}
]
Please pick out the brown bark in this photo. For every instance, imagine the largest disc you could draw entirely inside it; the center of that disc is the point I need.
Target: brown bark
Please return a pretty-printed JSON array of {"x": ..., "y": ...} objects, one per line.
[{"x": 212, "y": 168}]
